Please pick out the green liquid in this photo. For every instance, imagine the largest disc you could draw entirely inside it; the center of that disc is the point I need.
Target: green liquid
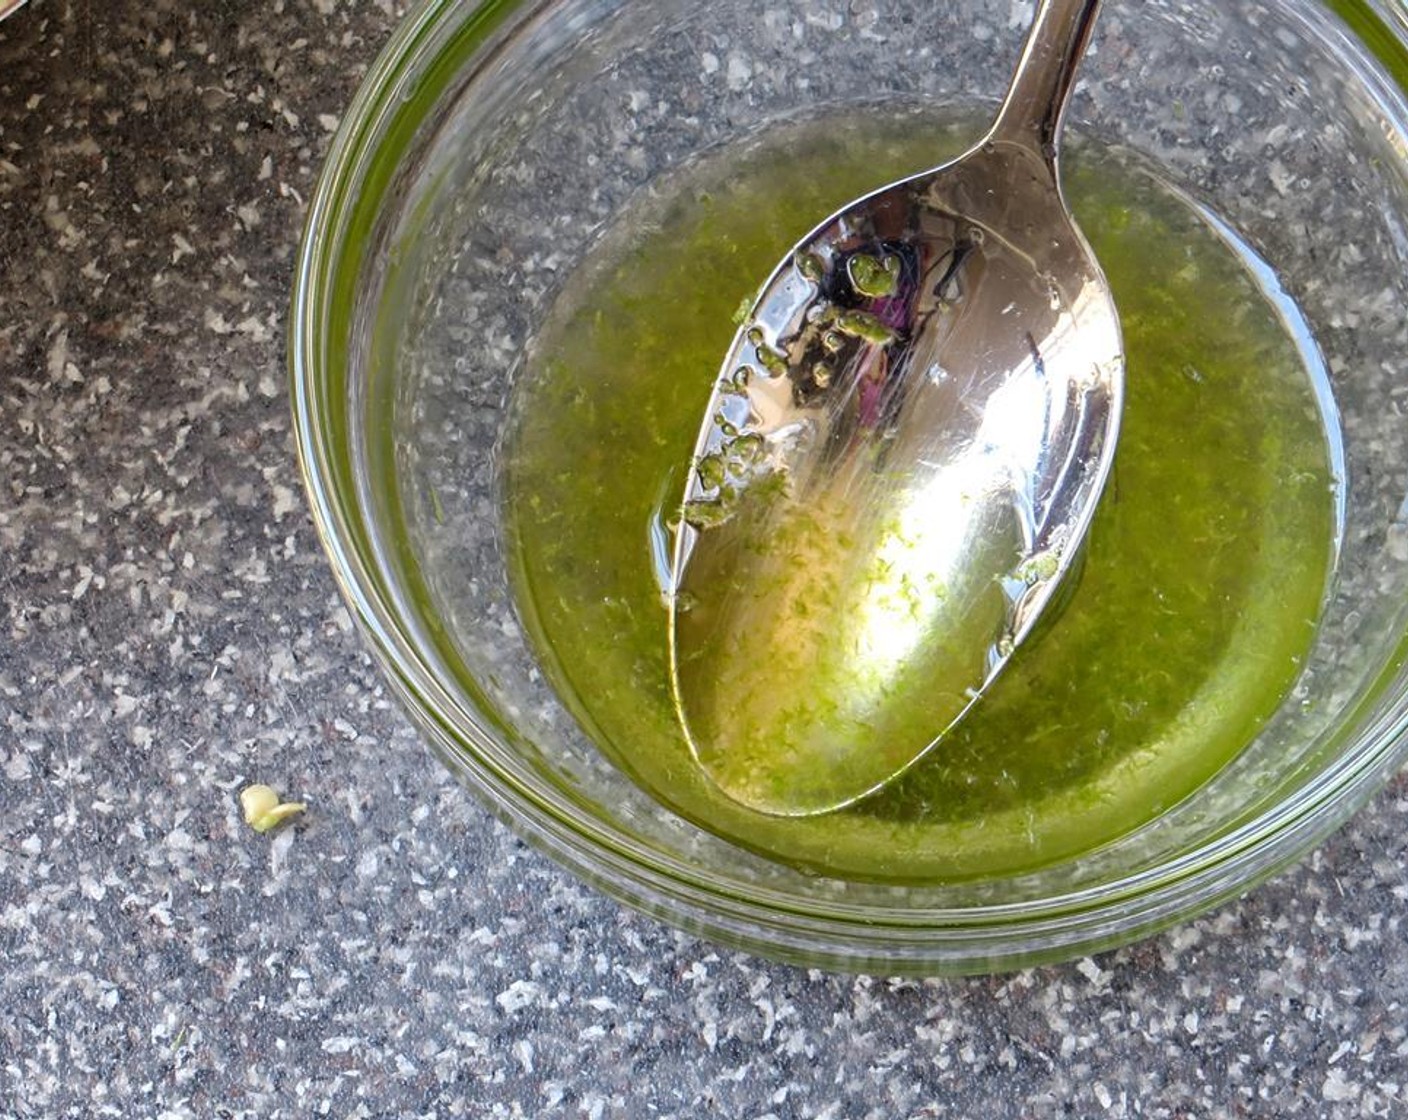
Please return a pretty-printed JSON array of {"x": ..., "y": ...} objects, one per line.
[{"x": 1202, "y": 581}]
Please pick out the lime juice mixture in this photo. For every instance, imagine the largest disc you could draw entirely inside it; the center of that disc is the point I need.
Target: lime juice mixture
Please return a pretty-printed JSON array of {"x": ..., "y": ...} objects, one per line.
[{"x": 1202, "y": 580}]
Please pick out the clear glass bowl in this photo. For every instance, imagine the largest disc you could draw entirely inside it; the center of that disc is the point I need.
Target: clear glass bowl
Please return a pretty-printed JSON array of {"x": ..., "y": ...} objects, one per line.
[{"x": 494, "y": 141}]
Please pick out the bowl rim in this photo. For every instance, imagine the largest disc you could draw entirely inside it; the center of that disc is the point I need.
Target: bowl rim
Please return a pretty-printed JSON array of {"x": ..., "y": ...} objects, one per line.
[{"x": 411, "y": 72}]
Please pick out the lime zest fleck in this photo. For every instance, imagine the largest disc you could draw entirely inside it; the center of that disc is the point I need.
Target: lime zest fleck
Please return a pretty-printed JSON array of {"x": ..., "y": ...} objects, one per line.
[
  {"x": 874, "y": 277},
  {"x": 865, "y": 326}
]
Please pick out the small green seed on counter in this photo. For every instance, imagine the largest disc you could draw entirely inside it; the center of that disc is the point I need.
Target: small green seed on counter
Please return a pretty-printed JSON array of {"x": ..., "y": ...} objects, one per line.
[{"x": 264, "y": 810}]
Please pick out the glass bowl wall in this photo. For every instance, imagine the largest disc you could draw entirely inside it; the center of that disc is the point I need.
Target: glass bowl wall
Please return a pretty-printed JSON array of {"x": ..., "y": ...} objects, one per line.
[{"x": 494, "y": 142}]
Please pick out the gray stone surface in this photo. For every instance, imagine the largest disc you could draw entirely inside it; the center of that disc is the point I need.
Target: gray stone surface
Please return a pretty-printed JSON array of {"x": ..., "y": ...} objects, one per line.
[{"x": 169, "y": 632}]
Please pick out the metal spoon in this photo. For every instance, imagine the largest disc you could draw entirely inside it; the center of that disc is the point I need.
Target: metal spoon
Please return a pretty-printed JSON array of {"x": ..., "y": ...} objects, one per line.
[{"x": 898, "y": 464}]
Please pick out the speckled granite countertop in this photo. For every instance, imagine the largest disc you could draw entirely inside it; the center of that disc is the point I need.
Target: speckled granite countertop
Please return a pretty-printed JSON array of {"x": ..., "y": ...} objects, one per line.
[{"x": 171, "y": 632}]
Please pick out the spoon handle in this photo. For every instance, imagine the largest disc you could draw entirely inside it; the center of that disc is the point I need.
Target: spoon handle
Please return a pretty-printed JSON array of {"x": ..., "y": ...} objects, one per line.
[{"x": 1036, "y": 100}]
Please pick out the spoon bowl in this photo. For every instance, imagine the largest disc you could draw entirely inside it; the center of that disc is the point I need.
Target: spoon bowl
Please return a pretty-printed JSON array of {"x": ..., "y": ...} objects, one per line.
[{"x": 899, "y": 462}]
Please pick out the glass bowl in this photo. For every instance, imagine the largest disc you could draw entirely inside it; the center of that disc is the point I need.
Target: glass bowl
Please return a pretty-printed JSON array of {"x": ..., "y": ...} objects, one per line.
[{"x": 489, "y": 149}]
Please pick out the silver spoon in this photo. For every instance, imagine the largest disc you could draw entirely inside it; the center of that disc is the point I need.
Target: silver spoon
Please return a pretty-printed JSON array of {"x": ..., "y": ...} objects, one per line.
[{"x": 898, "y": 464}]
